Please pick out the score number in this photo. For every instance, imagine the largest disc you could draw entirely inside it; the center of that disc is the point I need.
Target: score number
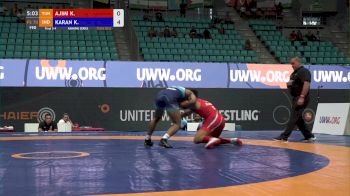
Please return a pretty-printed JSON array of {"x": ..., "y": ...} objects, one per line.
[{"x": 118, "y": 18}]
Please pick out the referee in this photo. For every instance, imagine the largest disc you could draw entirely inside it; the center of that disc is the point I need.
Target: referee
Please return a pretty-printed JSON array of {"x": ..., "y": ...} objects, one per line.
[{"x": 299, "y": 87}]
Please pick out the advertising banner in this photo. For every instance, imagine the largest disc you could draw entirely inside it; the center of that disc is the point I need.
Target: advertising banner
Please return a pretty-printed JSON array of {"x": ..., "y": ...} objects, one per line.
[
  {"x": 330, "y": 77},
  {"x": 62, "y": 73},
  {"x": 259, "y": 76},
  {"x": 12, "y": 72},
  {"x": 164, "y": 74},
  {"x": 131, "y": 109},
  {"x": 121, "y": 74},
  {"x": 332, "y": 118},
  {"x": 275, "y": 76}
]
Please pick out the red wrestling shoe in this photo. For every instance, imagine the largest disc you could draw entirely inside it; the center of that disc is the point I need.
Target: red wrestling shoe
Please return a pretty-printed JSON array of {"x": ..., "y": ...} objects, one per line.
[
  {"x": 236, "y": 141},
  {"x": 212, "y": 143}
]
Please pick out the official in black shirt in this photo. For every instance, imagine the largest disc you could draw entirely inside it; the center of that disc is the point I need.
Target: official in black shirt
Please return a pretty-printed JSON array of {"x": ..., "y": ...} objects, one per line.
[
  {"x": 299, "y": 87},
  {"x": 48, "y": 124}
]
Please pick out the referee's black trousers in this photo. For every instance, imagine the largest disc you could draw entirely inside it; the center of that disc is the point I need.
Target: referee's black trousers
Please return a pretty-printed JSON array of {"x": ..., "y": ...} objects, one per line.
[{"x": 296, "y": 119}]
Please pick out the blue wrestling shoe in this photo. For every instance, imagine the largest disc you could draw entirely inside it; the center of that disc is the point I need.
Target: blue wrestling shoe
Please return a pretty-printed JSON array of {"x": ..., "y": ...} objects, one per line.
[
  {"x": 164, "y": 143},
  {"x": 148, "y": 143}
]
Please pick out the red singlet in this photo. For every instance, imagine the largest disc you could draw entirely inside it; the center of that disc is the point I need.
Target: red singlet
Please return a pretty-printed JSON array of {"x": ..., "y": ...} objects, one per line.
[{"x": 214, "y": 122}]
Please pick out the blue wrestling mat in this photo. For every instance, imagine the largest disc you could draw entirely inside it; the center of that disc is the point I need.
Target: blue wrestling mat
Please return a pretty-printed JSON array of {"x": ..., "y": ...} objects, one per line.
[{"x": 118, "y": 162}]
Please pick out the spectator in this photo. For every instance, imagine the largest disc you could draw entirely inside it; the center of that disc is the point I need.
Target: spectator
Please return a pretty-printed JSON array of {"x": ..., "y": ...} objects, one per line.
[
  {"x": 299, "y": 36},
  {"x": 310, "y": 36},
  {"x": 244, "y": 8},
  {"x": 152, "y": 32},
  {"x": 227, "y": 19},
  {"x": 248, "y": 11},
  {"x": 146, "y": 16},
  {"x": 48, "y": 124},
  {"x": 253, "y": 7},
  {"x": 217, "y": 20},
  {"x": 3, "y": 9},
  {"x": 159, "y": 17},
  {"x": 193, "y": 32},
  {"x": 247, "y": 45},
  {"x": 293, "y": 36},
  {"x": 259, "y": 13},
  {"x": 174, "y": 32},
  {"x": 212, "y": 24},
  {"x": 317, "y": 37},
  {"x": 183, "y": 7},
  {"x": 14, "y": 10},
  {"x": 206, "y": 34},
  {"x": 166, "y": 32},
  {"x": 21, "y": 16},
  {"x": 279, "y": 9},
  {"x": 183, "y": 124},
  {"x": 313, "y": 37},
  {"x": 221, "y": 30},
  {"x": 66, "y": 119}
]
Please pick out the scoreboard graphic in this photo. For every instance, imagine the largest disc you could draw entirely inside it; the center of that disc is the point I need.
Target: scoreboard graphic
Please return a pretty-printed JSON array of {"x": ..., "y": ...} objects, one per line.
[{"x": 74, "y": 19}]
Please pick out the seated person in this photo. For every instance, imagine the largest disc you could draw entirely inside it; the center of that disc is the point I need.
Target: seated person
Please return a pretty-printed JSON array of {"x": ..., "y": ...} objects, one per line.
[
  {"x": 21, "y": 17},
  {"x": 146, "y": 16},
  {"x": 228, "y": 19},
  {"x": 48, "y": 124},
  {"x": 166, "y": 32},
  {"x": 293, "y": 36},
  {"x": 206, "y": 34},
  {"x": 253, "y": 6},
  {"x": 174, "y": 32},
  {"x": 317, "y": 36},
  {"x": 183, "y": 124},
  {"x": 3, "y": 9},
  {"x": 159, "y": 17},
  {"x": 299, "y": 36},
  {"x": 152, "y": 32},
  {"x": 14, "y": 10},
  {"x": 259, "y": 13},
  {"x": 279, "y": 9},
  {"x": 243, "y": 8},
  {"x": 247, "y": 45},
  {"x": 217, "y": 20},
  {"x": 221, "y": 30},
  {"x": 66, "y": 119},
  {"x": 183, "y": 7},
  {"x": 193, "y": 32},
  {"x": 310, "y": 36},
  {"x": 212, "y": 24}
]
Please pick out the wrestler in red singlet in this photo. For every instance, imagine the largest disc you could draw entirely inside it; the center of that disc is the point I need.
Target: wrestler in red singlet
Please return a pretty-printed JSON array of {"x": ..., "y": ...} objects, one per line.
[
  {"x": 212, "y": 126},
  {"x": 214, "y": 122}
]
